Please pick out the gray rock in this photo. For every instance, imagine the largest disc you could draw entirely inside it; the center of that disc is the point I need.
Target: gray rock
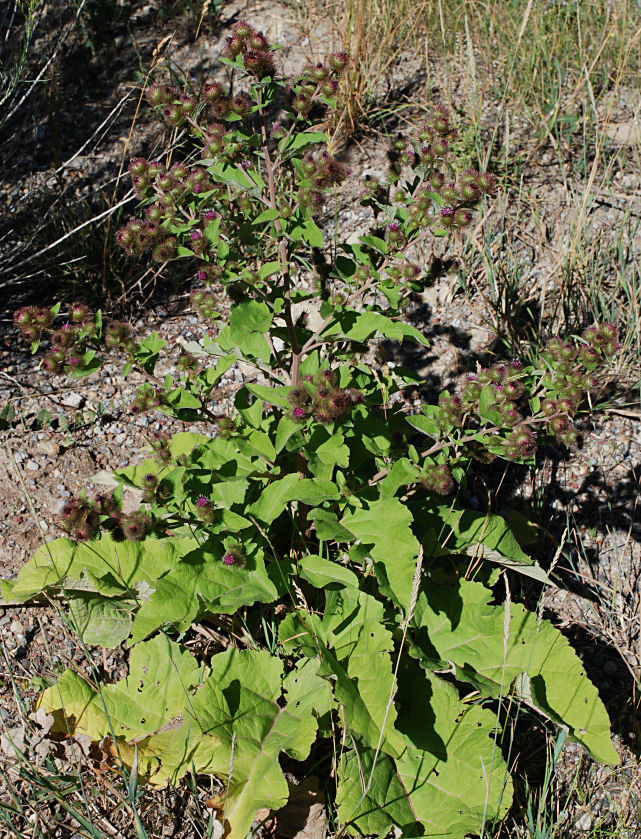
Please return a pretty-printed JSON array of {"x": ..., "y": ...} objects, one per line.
[{"x": 73, "y": 400}]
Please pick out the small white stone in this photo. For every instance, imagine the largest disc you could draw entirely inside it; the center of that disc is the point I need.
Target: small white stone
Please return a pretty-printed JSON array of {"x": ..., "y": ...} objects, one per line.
[
  {"x": 73, "y": 400},
  {"x": 584, "y": 823}
]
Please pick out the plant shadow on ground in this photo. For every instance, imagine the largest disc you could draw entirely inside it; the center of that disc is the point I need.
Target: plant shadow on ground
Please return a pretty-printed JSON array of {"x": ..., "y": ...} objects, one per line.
[{"x": 65, "y": 149}]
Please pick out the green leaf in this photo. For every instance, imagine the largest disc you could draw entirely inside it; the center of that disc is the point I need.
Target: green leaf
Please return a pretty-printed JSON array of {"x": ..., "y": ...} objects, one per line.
[
  {"x": 427, "y": 425},
  {"x": 274, "y": 498},
  {"x": 277, "y": 495},
  {"x": 202, "y": 584},
  {"x": 101, "y": 620},
  {"x": 449, "y": 781},
  {"x": 374, "y": 242},
  {"x": 328, "y": 527},
  {"x": 309, "y": 233},
  {"x": 266, "y": 215},
  {"x": 471, "y": 529},
  {"x": 323, "y": 572},
  {"x": 249, "y": 316},
  {"x": 385, "y": 526},
  {"x": 160, "y": 676},
  {"x": 363, "y": 325},
  {"x": 261, "y": 442},
  {"x": 62, "y": 564},
  {"x": 325, "y": 456},
  {"x": 501, "y": 646},
  {"x": 487, "y": 406},
  {"x": 269, "y": 268},
  {"x": 287, "y": 428},
  {"x": 301, "y": 140},
  {"x": 245, "y": 724},
  {"x": 354, "y": 649},
  {"x": 364, "y": 684},
  {"x": 228, "y": 173},
  {"x": 313, "y": 491},
  {"x": 271, "y": 395},
  {"x": 403, "y": 472}
]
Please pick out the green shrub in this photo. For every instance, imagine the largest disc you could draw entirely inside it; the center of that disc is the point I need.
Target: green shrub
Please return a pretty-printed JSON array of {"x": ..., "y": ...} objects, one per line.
[{"x": 319, "y": 530}]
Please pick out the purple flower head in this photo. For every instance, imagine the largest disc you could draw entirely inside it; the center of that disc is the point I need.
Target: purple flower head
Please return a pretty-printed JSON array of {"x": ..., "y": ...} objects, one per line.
[
  {"x": 202, "y": 501},
  {"x": 299, "y": 413},
  {"x": 198, "y": 188},
  {"x": 229, "y": 559},
  {"x": 447, "y": 212},
  {"x": 201, "y": 276},
  {"x": 394, "y": 226},
  {"x": 209, "y": 215},
  {"x": 196, "y": 235}
]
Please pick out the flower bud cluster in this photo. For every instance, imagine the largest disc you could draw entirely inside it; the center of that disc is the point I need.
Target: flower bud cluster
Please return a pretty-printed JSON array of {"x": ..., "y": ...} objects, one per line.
[
  {"x": 81, "y": 519},
  {"x": 405, "y": 273},
  {"x": 441, "y": 200},
  {"x": 570, "y": 376},
  {"x": 226, "y": 427},
  {"x": 505, "y": 380},
  {"x": 138, "y": 236},
  {"x": 176, "y": 106},
  {"x": 317, "y": 82},
  {"x": 205, "y": 510},
  {"x": 67, "y": 348},
  {"x": 70, "y": 340},
  {"x": 187, "y": 363},
  {"x": 146, "y": 399},
  {"x": 159, "y": 442},
  {"x": 206, "y": 304},
  {"x": 437, "y": 478},
  {"x": 451, "y": 413},
  {"x": 603, "y": 338},
  {"x": 520, "y": 443},
  {"x": 234, "y": 555},
  {"x": 254, "y": 49},
  {"x": 32, "y": 321},
  {"x": 320, "y": 171},
  {"x": 376, "y": 194},
  {"x": 319, "y": 397},
  {"x": 118, "y": 335}
]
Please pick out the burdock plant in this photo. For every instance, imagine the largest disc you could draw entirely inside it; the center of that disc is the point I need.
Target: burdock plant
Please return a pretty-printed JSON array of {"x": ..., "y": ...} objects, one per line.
[{"x": 319, "y": 527}]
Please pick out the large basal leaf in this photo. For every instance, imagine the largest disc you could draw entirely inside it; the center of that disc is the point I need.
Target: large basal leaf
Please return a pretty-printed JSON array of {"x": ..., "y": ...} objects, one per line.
[
  {"x": 246, "y": 722},
  {"x": 354, "y": 649},
  {"x": 103, "y": 621},
  {"x": 466, "y": 528},
  {"x": 450, "y": 780},
  {"x": 201, "y": 583},
  {"x": 170, "y": 716},
  {"x": 500, "y": 653},
  {"x": 112, "y": 567},
  {"x": 154, "y": 694}
]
